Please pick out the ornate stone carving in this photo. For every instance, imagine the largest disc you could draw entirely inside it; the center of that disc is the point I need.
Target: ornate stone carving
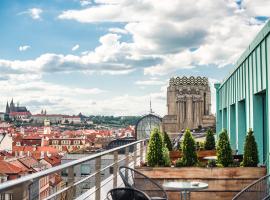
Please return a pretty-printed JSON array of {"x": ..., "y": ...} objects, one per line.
[{"x": 189, "y": 100}]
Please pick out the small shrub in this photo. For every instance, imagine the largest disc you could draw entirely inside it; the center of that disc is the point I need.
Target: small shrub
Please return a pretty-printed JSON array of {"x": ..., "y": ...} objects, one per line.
[
  {"x": 201, "y": 164},
  {"x": 224, "y": 151},
  {"x": 197, "y": 146},
  {"x": 202, "y": 145},
  {"x": 167, "y": 141},
  {"x": 211, "y": 163},
  {"x": 179, "y": 163},
  {"x": 250, "y": 158},
  {"x": 179, "y": 146},
  {"x": 154, "y": 153},
  {"x": 189, "y": 150},
  {"x": 166, "y": 157},
  {"x": 210, "y": 143}
]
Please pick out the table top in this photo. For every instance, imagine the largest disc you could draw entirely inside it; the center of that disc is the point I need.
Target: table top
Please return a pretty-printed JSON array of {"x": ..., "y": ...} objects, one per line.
[{"x": 184, "y": 186}]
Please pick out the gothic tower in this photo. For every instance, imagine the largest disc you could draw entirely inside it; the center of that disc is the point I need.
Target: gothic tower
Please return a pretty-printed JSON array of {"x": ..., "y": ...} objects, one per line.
[{"x": 7, "y": 108}]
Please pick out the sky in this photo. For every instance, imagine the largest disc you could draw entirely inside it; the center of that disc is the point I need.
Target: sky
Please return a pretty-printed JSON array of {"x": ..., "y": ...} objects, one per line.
[{"x": 110, "y": 57}]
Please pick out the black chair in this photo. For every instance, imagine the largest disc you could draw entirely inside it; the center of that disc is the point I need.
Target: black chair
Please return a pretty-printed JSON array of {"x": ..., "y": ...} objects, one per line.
[
  {"x": 126, "y": 194},
  {"x": 143, "y": 183}
]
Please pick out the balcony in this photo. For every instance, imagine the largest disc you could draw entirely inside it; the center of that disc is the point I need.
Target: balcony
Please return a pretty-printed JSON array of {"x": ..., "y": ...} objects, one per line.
[{"x": 78, "y": 181}]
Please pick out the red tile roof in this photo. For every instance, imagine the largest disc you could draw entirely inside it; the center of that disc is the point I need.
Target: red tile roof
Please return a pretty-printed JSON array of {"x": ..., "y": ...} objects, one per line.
[
  {"x": 19, "y": 113},
  {"x": 7, "y": 168}
]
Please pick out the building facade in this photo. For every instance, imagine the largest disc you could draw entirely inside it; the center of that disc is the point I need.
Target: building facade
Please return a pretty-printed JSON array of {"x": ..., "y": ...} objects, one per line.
[
  {"x": 189, "y": 104},
  {"x": 242, "y": 99}
]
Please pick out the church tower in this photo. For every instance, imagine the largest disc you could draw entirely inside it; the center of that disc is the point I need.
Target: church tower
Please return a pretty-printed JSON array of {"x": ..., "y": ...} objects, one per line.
[
  {"x": 7, "y": 108},
  {"x": 12, "y": 106}
]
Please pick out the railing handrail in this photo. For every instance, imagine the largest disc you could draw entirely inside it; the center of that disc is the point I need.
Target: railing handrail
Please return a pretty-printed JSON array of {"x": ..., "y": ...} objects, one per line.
[
  {"x": 31, "y": 177},
  {"x": 249, "y": 186}
]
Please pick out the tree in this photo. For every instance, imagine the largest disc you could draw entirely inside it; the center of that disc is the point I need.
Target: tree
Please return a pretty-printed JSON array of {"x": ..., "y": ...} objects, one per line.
[
  {"x": 154, "y": 151},
  {"x": 251, "y": 158},
  {"x": 210, "y": 140},
  {"x": 189, "y": 150},
  {"x": 166, "y": 157},
  {"x": 167, "y": 141},
  {"x": 224, "y": 151}
]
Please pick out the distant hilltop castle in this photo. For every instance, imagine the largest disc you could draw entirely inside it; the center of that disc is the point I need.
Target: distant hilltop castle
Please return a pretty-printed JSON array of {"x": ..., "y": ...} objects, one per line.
[{"x": 10, "y": 108}]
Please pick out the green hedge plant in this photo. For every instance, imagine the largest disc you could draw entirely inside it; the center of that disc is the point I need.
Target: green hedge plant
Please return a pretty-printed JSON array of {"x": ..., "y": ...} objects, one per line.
[
  {"x": 157, "y": 152},
  {"x": 154, "y": 152},
  {"x": 224, "y": 151},
  {"x": 189, "y": 150},
  {"x": 166, "y": 157},
  {"x": 167, "y": 141},
  {"x": 210, "y": 143},
  {"x": 250, "y": 158}
]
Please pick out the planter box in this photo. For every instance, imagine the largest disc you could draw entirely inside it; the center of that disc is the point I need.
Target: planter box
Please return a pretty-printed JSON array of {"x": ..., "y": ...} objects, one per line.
[
  {"x": 223, "y": 183},
  {"x": 174, "y": 155}
]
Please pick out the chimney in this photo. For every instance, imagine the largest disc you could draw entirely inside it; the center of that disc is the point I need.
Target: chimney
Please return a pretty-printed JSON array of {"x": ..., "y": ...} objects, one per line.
[{"x": 41, "y": 154}]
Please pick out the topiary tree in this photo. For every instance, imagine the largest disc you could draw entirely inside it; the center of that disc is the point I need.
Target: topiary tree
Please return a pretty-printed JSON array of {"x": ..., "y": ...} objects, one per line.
[
  {"x": 250, "y": 158},
  {"x": 210, "y": 143},
  {"x": 167, "y": 141},
  {"x": 189, "y": 150},
  {"x": 166, "y": 157},
  {"x": 224, "y": 151},
  {"x": 154, "y": 149}
]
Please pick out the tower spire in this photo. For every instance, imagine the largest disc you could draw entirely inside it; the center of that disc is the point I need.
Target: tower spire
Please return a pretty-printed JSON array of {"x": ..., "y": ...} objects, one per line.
[
  {"x": 7, "y": 108},
  {"x": 151, "y": 110}
]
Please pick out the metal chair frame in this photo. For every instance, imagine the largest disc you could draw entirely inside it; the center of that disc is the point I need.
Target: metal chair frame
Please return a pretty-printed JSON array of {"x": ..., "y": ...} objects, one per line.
[
  {"x": 122, "y": 173},
  {"x": 132, "y": 191}
]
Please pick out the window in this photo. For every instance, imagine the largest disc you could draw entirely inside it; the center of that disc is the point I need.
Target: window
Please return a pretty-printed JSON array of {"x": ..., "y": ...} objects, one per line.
[{"x": 85, "y": 169}]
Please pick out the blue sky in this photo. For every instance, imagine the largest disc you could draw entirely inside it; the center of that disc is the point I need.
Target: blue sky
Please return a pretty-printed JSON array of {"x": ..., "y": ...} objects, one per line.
[{"x": 110, "y": 57}]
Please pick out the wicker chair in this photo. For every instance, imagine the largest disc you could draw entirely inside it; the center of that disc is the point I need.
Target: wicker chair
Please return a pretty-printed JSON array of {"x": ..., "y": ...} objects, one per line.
[
  {"x": 126, "y": 194},
  {"x": 135, "y": 179}
]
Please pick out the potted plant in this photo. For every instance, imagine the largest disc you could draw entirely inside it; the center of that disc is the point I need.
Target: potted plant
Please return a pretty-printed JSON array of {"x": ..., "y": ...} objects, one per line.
[
  {"x": 158, "y": 153},
  {"x": 189, "y": 154},
  {"x": 224, "y": 151},
  {"x": 250, "y": 158}
]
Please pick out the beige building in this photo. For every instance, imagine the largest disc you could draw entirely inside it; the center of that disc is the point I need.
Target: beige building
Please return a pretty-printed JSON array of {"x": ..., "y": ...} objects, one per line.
[{"x": 189, "y": 104}]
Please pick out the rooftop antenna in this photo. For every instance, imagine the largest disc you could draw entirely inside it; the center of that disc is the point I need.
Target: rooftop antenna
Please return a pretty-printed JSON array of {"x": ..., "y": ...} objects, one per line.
[{"x": 151, "y": 110}]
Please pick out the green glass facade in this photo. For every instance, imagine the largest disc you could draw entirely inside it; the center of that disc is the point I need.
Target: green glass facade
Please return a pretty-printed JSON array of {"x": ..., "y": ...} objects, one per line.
[{"x": 242, "y": 100}]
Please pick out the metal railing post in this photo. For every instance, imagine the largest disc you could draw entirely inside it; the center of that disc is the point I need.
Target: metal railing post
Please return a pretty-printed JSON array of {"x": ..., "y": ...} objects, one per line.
[
  {"x": 135, "y": 155},
  {"x": 115, "y": 168},
  {"x": 71, "y": 179},
  {"x": 145, "y": 146},
  {"x": 98, "y": 178},
  {"x": 141, "y": 151},
  {"x": 126, "y": 156}
]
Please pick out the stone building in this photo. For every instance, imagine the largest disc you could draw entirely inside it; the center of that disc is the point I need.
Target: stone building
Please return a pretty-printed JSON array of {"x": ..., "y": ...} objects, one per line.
[{"x": 189, "y": 104}]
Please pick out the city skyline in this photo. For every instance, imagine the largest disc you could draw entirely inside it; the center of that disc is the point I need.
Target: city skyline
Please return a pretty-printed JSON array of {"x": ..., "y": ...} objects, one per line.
[{"x": 109, "y": 57}]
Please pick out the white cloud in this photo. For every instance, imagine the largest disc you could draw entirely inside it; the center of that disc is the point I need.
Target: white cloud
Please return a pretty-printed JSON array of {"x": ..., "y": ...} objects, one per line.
[
  {"x": 34, "y": 13},
  {"x": 85, "y": 2},
  {"x": 24, "y": 47},
  {"x": 149, "y": 82},
  {"x": 76, "y": 47},
  {"x": 160, "y": 31},
  {"x": 162, "y": 40},
  {"x": 256, "y": 8},
  {"x": 118, "y": 30}
]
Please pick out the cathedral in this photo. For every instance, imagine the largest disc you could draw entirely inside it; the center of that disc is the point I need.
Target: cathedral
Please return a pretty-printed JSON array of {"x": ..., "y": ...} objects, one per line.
[
  {"x": 189, "y": 105},
  {"x": 10, "y": 108}
]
